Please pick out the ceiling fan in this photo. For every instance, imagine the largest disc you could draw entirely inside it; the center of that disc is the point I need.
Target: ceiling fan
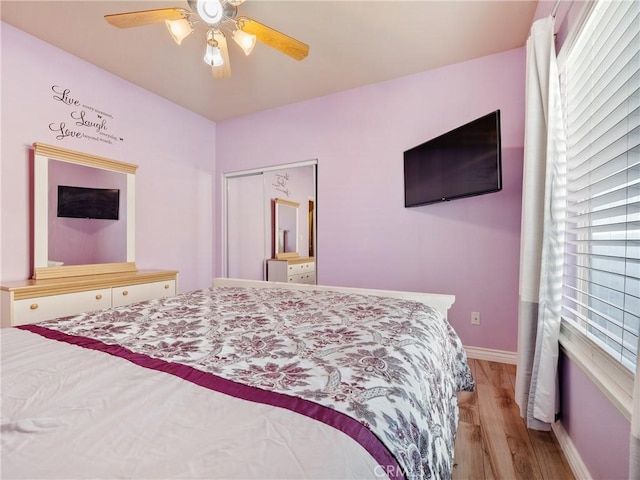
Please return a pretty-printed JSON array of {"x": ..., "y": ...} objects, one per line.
[{"x": 219, "y": 16}]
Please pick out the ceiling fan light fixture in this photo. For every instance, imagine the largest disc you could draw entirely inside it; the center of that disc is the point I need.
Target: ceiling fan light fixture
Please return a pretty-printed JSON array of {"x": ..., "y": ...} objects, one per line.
[
  {"x": 219, "y": 15},
  {"x": 212, "y": 55},
  {"x": 245, "y": 40},
  {"x": 211, "y": 11},
  {"x": 179, "y": 29}
]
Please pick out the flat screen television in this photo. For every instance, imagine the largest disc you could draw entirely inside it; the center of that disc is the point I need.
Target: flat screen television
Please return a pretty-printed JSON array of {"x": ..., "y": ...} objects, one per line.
[
  {"x": 464, "y": 162},
  {"x": 83, "y": 202}
]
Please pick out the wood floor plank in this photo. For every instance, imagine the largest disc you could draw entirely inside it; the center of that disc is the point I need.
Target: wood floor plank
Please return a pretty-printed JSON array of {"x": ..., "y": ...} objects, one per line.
[
  {"x": 489, "y": 472},
  {"x": 468, "y": 454},
  {"x": 508, "y": 449},
  {"x": 553, "y": 464},
  {"x": 506, "y": 444},
  {"x": 468, "y": 407},
  {"x": 494, "y": 440},
  {"x": 492, "y": 373},
  {"x": 511, "y": 371}
]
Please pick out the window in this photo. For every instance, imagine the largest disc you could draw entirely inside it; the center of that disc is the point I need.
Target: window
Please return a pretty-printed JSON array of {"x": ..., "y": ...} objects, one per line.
[{"x": 600, "y": 78}]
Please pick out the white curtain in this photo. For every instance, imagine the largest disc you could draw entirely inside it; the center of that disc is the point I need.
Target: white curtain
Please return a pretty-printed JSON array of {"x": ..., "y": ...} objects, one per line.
[{"x": 542, "y": 232}]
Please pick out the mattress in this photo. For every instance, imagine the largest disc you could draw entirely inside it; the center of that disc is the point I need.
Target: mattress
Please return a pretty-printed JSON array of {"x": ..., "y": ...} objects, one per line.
[{"x": 235, "y": 383}]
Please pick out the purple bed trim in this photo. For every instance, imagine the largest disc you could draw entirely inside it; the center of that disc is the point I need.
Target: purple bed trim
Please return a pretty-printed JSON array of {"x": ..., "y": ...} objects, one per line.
[{"x": 326, "y": 415}]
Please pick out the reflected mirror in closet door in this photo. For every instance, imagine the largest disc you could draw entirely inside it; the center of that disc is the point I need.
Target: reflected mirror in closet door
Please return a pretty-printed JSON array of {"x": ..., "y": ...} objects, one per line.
[{"x": 285, "y": 228}]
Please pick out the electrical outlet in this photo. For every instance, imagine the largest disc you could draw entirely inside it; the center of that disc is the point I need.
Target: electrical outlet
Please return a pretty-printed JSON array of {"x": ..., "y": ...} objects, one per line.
[{"x": 475, "y": 318}]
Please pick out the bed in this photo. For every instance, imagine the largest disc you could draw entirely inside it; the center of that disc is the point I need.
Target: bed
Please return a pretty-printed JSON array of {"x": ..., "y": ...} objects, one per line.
[{"x": 242, "y": 380}]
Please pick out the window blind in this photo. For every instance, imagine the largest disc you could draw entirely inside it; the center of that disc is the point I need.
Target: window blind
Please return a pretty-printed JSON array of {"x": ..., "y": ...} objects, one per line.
[{"x": 600, "y": 79}]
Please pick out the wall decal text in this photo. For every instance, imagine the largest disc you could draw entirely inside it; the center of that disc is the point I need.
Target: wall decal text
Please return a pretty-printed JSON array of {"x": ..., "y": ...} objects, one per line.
[
  {"x": 87, "y": 121},
  {"x": 281, "y": 183}
]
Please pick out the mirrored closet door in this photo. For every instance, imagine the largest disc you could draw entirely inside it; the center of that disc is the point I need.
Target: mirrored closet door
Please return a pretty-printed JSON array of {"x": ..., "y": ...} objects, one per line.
[
  {"x": 252, "y": 199},
  {"x": 246, "y": 248}
]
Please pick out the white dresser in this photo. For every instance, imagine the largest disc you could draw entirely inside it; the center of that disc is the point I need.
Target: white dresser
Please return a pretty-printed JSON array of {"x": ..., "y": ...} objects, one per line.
[
  {"x": 292, "y": 270},
  {"x": 32, "y": 301}
]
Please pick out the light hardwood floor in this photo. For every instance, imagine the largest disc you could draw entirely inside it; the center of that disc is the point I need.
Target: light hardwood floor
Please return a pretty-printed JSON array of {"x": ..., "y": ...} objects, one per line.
[{"x": 493, "y": 442}]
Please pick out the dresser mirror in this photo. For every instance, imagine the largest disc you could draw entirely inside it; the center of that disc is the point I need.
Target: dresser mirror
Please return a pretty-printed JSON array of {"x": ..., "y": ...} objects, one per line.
[
  {"x": 285, "y": 228},
  {"x": 74, "y": 241}
]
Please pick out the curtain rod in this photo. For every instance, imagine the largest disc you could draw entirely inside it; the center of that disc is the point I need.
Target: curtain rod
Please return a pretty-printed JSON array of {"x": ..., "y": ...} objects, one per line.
[{"x": 555, "y": 9}]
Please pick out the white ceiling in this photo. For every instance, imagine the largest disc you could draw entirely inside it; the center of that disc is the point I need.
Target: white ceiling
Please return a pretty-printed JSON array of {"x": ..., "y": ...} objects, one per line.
[{"x": 352, "y": 43}]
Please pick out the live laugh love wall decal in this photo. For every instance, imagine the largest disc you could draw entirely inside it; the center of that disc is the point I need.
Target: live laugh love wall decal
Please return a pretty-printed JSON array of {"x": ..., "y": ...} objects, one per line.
[{"x": 85, "y": 122}]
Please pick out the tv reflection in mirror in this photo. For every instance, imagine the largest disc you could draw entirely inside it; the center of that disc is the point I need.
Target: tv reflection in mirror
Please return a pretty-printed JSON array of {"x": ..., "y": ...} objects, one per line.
[
  {"x": 461, "y": 163},
  {"x": 83, "y": 202}
]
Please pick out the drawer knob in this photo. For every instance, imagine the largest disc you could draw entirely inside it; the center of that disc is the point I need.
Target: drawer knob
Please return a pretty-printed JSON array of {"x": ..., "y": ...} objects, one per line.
[
  {"x": 99, "y": 296},
  {"x": 33, "y": 306},
  {"x": 166, "y": 287},
  {"x": 125, "y": 293}
]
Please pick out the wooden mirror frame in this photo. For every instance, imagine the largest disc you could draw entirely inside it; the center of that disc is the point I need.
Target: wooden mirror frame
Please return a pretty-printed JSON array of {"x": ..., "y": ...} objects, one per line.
[
  {"x": 42, "y": 154},
  {"x": 279, "y": 202}
]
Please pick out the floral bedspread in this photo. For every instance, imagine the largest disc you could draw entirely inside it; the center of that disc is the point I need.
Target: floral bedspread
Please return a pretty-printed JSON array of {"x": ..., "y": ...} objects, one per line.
[{"x": 394, "y": 365}]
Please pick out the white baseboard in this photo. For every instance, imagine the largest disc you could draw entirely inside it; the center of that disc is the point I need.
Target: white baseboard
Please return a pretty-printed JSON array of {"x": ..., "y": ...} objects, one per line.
[
  {"x": 574, "y": 459},
  {"x": 491, "y": 355}
]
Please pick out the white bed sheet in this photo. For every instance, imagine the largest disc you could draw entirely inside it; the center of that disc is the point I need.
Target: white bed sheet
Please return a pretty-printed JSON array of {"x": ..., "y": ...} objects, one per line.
[{"x": 114, "y": 419}]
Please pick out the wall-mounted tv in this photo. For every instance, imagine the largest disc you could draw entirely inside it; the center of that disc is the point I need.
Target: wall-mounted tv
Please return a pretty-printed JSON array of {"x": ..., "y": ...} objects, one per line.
[
  {"x": 464, "y": 162},
  {"x": 83, "y": 202}
]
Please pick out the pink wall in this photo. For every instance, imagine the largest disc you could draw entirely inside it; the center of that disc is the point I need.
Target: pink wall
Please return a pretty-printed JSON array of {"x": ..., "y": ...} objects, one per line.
[
  {"x": 366, "y": 238},
  {"x": 598, "y": 431},
  {"x": 174, "y": 148}
]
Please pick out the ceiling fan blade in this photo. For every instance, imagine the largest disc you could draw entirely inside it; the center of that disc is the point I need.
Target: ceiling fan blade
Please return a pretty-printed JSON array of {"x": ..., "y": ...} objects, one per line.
[
  {"x": 224, "y": 70},
  {"x": 145, "y": 17},
  {"x": 267, "y": 35}
]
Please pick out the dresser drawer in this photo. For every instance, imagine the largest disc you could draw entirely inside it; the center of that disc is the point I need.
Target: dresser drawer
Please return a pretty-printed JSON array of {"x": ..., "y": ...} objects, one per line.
[
  {"x": 33, "y": 310},
  {"x": 296, "y": 268},
  {"x": 142, "y": 292},
  {"x": 308, "y": 278},
  {"x": 32, "y": 301}
]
